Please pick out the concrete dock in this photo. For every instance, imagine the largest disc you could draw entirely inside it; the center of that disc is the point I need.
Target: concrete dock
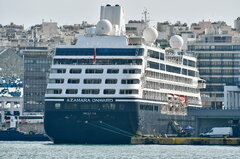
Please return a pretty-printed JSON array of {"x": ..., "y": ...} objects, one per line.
[{"x": 184, "y": 141}]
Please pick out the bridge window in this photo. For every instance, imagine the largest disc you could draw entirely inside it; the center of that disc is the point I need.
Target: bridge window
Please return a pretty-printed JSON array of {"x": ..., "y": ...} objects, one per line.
[
  {"x": 99, "y": 51},
  {"x": 98, "y": 62}
]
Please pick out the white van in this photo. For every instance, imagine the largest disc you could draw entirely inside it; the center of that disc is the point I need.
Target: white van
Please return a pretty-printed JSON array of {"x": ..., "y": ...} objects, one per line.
[{"x": 218, "y": 132}]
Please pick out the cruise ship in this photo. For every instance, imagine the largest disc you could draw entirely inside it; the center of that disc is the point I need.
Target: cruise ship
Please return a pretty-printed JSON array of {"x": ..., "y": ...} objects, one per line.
[{"x": 109, "y": 87}]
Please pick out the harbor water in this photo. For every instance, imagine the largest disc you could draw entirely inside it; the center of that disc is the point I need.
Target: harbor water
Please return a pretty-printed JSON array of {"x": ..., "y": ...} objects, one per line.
[{"x": 47, "y": 150}]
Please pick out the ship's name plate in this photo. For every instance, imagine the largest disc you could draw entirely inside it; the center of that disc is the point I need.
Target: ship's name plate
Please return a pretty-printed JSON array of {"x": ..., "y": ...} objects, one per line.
[{"x": 89, "y": 100}]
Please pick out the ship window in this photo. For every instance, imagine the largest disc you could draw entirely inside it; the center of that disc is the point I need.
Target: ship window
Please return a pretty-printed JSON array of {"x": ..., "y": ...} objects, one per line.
[
  {"x": 56, "y": 80},
  {"x": 70, "y": 106},
  {"x": 162, "y": 67},
  {"x": 185, "y": 62},
  {"x": 73, "y": 81},
  {"x": 54, "y": 91},
  {"x": 94, "y": 71},
  {"x": 98, "y": 62},
  {"x": 131, "y": 71},
  {"x": 191, "y": 73},
  {"x": 109, "y": 91},
  {"x": 71, "y": 91},
  {"x": 173, "y": 69},
  {"x": 58, "y": 70},
  {"x": 153, "y": 54},
  {"x": 90, "y": 91},
  {"x": 161, "y": 56},
  {"x": 128, "y": 91},
  {"x": 184, "y": 71},
  {"x": 85, "y": 106},
  {"x": 113, "y": 71},
  {"x": 109, "y": 106},
  {"x": 74, "y": 51},
  {"x": 153, "y": 65},
  {"x": 92, "y": 81},
  {"x": 75, "y": 71},
  {"x": 99, "y": 51},
  {"x": 131, "y": 28},
  {"x": 111, "y": 81},
  {"x": 146, "y": 107},
  {"x": 191, "y": 63},
  {"x": 130, "y": 81},
  {"x": 57, "y": 105}
]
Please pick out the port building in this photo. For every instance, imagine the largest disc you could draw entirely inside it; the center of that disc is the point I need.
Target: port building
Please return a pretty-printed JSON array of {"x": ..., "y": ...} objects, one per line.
[
  {"x": 218, "y": 52},
  {"x": 37, "y": 61}
]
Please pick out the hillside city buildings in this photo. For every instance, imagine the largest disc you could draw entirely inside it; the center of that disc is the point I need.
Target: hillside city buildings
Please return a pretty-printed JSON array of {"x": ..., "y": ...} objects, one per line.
[
  {"x": 26, "y": 53},
  {"x": 47, "y": 34}
]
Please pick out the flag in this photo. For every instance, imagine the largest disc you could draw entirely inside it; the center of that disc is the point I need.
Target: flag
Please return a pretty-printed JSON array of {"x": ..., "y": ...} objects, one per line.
[
  {"x": 186, "y": 100},
  {"x": 94, "y": 56}
]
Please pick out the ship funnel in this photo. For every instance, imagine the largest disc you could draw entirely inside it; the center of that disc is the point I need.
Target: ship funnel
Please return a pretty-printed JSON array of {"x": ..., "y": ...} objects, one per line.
[{"x": 115, "y": 15}]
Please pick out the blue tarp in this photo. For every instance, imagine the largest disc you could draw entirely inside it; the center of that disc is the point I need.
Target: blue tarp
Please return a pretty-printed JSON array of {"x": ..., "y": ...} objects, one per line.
[{"x": 188, "y": 128}]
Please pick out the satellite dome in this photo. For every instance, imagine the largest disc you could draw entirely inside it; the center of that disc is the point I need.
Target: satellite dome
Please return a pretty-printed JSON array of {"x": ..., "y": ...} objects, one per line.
[
  {"x": 150, "y": 34},
  {"x": 104, "y": 27},
  {"x": 176, "y": 42}
]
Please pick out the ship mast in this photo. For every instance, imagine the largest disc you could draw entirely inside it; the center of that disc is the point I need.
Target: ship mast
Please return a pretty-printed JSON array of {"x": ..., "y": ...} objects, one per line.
[{"x": 145, "y": 13}]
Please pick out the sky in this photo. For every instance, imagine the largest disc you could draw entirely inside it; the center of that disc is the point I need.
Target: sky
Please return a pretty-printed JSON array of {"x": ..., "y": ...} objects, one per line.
[{"x": 31, "y": 12}]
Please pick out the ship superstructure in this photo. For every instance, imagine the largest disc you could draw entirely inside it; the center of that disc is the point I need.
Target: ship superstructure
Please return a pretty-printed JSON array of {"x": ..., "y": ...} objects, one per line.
[{"x": 109, "y": 87}]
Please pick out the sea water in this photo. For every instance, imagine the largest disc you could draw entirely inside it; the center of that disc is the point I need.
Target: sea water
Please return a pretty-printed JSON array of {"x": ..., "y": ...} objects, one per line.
[{"x": 47, "y": 150}]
